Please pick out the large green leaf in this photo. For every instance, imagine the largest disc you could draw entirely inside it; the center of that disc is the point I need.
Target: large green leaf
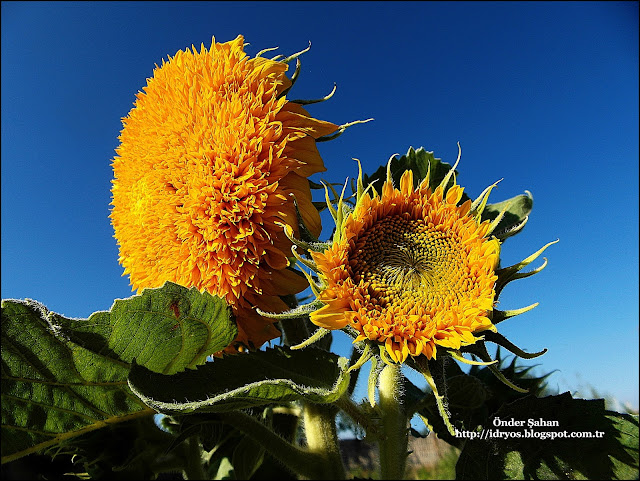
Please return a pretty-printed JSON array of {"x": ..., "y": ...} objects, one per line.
[
  {"x": 166, "y": 330},
  {"x": 591, "y": 442},
  {"x": 245, "y": 380},
  {"x": 64, "y": 377},
  {"x": 474, "y": 397},
  {"x": 52, "y": 388}
]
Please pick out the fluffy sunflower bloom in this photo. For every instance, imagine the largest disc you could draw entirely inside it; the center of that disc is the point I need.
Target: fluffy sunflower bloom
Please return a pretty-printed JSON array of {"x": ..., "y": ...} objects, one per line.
[{"x": 210, "y": 161}]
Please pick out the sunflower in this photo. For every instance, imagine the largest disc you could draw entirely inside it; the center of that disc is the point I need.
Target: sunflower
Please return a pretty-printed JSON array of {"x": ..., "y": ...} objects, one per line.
[
  {"x": 211, "y": 159},
  {"x": 412, "y": 270}
]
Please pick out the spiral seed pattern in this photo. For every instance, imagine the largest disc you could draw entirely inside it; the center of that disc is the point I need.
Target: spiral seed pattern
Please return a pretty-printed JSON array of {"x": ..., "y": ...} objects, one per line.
[{"x": 403, "y": 260}]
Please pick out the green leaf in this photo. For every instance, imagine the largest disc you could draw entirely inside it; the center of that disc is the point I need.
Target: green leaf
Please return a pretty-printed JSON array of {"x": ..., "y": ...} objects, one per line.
[
  {"x": 245, "y": 380},
  {"x": 166, "y": 330},
  {"x": 64, "y": 377},
  {"x": 472, "y": 398},
  {"x": 247, "y": 458},
  {"x": 131, "y": 450},
  {"x": 514, "y": 217},
  {"x": 52, "y": 388},
  {"x": 225, "y": 470},
  {"x": 608, "y": 450},
  {"x": 419, "y": 161}
]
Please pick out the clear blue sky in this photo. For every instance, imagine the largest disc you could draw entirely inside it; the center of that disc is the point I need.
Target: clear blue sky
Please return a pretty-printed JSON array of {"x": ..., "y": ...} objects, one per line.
[{"x": 542, "y": 94}]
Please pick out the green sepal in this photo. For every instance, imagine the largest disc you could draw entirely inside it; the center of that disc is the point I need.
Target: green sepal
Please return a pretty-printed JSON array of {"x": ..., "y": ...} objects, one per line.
[
  {"x": 517, "y": 373},
  {"x": 315, "y": 337},
  {"x": 516, "y": 213},
  {"x": 245, "y": 380},
  {"x": 341, "y": 129},
  {"x": 292, "y": 56},
  {"x": 305, "y": 262},
  {"x": 296, "y": 73},
  {"x": 329, "y": 203},
  {"x": 500, "y": 340},
  {"x": 480, "y": 203},
  {"x": 298, "y": 312},
  {"x": 315, "y": 185},
  {"x": 364, "y": 357},
  {"x": 511, "y": 273},
  {"x": 265, "y": 50},
  {"x": 450, "y": 177},
  {"x": 497, "y": 316},
  {"x": 315, "y": 101},
  {"x": 457, "y": 355},
  {"x": 479, "y": 349}
]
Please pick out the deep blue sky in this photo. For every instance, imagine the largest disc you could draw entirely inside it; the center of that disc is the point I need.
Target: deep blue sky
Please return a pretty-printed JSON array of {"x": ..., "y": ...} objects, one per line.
[{"x": 544, "y": 95}]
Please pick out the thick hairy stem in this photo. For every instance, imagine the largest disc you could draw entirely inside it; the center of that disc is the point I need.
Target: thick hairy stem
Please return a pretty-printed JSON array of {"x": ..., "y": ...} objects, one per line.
[
  {"x": 394, "y": 441},
  {"x": 301, "y": 461},
  {"x": 319, "y": 423},
  {"x": 322, "y": 438},
  {"x": 194, "y": 468}
]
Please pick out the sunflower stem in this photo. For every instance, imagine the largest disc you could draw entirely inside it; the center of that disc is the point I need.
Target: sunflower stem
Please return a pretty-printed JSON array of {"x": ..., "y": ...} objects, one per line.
[
  {"x": 295, "y": 331},
  {"x": 194, "y": 468},
  {"x": 322, "y": 438},
  {"x": 304, "y": 462},
  {"x": 393, "y": 445},
  {"x": 319, "y": 421}
]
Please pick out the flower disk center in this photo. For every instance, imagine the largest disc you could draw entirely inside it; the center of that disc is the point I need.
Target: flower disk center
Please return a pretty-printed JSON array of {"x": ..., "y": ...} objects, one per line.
[{"x": 401, "y": 258}]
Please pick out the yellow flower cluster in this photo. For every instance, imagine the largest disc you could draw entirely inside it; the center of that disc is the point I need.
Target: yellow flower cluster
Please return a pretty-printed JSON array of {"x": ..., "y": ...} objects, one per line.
[{"x": 210, "y": 160}]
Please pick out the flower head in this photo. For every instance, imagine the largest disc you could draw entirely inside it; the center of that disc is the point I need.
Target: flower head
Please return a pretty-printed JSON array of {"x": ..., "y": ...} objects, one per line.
[
  {"x": 411, "y": 270},
  {"x": 210, "y": 160},
  {"x": 415, "y": 269}
]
